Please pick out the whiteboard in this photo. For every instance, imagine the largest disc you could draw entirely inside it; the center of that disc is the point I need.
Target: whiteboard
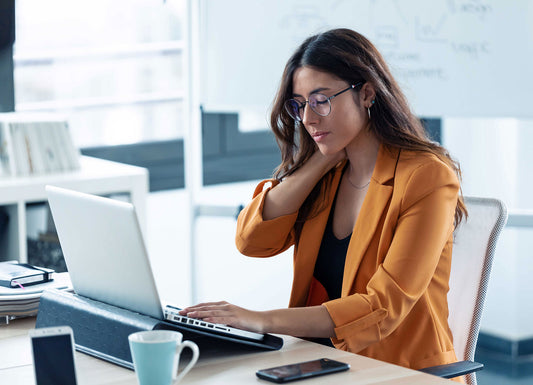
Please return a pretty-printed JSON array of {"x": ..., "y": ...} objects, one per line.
[{"x": 452, "y": 58}]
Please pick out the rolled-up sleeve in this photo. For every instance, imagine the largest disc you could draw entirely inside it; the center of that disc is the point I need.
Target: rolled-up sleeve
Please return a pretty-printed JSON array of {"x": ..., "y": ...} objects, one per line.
[
  {"x": 423, "y": 228},
  {"x": 256, "y": 237}
]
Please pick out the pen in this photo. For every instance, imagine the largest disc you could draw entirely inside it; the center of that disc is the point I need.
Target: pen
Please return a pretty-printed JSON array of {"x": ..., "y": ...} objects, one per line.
[{"x": 19, "y": 284}]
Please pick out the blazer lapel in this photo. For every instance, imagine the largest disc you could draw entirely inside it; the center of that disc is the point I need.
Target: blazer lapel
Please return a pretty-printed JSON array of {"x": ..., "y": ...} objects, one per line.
[{"x": 376, "y": 201}]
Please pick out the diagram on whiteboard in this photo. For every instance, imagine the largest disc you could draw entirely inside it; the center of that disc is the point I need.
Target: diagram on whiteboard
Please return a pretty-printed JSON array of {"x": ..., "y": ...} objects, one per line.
[{"x": 446, "y": 54}]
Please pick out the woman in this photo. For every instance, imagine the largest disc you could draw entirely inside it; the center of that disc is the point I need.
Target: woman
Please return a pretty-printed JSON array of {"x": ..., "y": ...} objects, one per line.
[{"x": 367, "y": 200}]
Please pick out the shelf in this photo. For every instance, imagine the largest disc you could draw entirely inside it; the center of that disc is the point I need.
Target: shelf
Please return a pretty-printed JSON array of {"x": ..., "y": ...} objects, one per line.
[{"x": 96, "y": 176}]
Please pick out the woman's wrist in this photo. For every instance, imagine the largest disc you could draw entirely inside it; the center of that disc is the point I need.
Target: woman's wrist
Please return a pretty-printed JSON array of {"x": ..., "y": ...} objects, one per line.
[
  {"x": 312, "y": 321},
  {"x": 267, "y": 321}
]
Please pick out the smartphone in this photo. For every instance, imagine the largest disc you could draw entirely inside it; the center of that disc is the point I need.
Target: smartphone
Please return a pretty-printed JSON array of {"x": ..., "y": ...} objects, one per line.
[
  {"x": 53, "y": 355},
  {"x": 301, "y": 370}
]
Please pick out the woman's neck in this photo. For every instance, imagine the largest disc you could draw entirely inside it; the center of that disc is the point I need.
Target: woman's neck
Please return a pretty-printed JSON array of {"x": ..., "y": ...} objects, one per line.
[{"x": 362, "y": 155}]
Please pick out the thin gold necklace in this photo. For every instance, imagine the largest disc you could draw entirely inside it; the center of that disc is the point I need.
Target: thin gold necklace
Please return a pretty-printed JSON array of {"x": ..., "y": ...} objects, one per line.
[
  {"x": 358, "y": 187},
  {"x": 354, "y": 185}
]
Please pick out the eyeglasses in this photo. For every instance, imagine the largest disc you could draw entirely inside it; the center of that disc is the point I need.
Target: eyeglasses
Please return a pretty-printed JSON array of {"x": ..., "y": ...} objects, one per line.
[{"x": 319, "y": 103}]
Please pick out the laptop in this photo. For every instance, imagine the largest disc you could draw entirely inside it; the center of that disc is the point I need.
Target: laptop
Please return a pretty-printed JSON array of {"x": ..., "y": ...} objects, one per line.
[{"x": 107, "y": 259}]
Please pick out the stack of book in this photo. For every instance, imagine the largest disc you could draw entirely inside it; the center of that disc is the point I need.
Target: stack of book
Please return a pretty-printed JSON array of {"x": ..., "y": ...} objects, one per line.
[
  {"x": 21, "y": 287},
  {"x": 36, "y": 144}
]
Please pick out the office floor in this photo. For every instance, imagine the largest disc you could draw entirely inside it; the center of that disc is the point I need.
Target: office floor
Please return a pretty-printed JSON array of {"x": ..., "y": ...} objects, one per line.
[
  {"x": 489, "y": 377},
  {"x": 499, "y": 371}
]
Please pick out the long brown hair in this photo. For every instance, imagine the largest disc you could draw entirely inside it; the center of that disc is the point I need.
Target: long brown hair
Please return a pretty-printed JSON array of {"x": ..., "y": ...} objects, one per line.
[{"x": 349, "y": 56}]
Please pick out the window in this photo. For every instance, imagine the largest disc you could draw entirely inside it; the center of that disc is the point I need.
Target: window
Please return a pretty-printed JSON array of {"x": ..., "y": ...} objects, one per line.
[{"x": 114, "y": 68}]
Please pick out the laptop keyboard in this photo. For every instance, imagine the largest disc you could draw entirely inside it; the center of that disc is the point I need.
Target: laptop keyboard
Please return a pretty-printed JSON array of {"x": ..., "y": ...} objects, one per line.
[{"x": 172, "y": 315}]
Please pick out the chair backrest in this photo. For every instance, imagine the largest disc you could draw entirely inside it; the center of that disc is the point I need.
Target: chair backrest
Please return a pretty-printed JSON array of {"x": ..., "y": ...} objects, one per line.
[{"x": 473, "y": 251}]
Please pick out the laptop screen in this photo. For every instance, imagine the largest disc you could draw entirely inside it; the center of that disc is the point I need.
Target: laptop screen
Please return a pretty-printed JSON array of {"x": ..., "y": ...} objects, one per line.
[{"x": 104, "y": 250}]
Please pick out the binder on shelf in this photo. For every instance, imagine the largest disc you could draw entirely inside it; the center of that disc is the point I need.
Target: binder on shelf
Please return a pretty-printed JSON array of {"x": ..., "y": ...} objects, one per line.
[
  {"x": 20, "y": 159},
  {"x": 40, "y": 159},
  {"x": 33, "y": 144},
  {"x": 50, "y": 149},
  {"x": 5, "y": 151},
  {"x": 33, "y": 149},
  {"x": 61, "y": 158},
  {"x": 102, "y": 330},
  {"x": 72, "y": 153}
]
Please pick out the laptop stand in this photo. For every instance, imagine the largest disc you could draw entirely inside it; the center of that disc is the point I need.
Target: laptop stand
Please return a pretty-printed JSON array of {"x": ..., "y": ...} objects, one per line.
[{"x": 102, "y": 330}]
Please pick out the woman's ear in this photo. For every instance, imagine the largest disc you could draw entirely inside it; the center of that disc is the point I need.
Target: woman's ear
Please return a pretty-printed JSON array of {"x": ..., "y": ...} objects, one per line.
[{"x": 367, "y": 95}]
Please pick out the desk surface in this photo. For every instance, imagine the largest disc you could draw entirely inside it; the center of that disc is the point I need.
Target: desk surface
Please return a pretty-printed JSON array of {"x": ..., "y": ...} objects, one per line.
[{"x": 16, "y": 365}]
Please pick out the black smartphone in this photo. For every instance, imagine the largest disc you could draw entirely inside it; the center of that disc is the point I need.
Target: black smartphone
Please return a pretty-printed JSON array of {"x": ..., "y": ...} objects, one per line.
[
  {"x": 301, "y": 370},
  {"x": 53, "y": 355}
]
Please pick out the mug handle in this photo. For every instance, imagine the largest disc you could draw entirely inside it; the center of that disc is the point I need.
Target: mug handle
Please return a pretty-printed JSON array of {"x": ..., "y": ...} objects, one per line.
[{"x": 195, "y": 353}]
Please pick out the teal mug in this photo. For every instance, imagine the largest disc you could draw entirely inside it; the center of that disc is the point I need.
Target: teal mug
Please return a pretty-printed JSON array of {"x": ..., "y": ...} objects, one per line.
[{"x": 156, "y": 355}]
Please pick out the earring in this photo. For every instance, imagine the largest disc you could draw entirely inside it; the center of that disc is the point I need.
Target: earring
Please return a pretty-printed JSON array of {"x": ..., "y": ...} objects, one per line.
[{"x": 368, "y": 109}]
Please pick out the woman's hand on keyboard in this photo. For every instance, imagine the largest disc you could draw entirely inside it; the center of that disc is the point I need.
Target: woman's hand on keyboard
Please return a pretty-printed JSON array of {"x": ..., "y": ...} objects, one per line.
[
  {"x": 227, "y": 314},
  {"x": 311, "y": 321}
]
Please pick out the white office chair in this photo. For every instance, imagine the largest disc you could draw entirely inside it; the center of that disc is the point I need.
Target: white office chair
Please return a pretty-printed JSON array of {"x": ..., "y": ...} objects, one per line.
[{"x": 473, "y": 251}]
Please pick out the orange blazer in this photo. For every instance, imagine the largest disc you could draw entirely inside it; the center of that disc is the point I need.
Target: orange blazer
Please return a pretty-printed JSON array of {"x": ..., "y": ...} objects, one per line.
[{"x": 393, "y": 305}]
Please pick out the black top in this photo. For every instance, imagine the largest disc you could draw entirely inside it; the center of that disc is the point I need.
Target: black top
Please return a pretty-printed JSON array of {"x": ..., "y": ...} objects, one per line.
[{"x": 329, "y": 267}]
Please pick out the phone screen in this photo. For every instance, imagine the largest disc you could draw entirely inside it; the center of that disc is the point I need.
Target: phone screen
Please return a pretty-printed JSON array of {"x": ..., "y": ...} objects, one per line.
[
  {"x": 302, "y": 370},
  {"x": 53, "y": 360}
]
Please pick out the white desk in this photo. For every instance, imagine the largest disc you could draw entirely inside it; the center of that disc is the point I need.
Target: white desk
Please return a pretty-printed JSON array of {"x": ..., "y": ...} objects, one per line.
[
  {"x": 235, "y": 369},
  {"x": 96, "y": 176}
]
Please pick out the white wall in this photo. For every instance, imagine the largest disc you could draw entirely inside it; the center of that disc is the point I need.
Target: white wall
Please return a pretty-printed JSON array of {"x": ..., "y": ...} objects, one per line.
[
  {"x": 223, "y": 273},
  {"x": 496, "y": 157},
  {"x": 168, "y": 244}
]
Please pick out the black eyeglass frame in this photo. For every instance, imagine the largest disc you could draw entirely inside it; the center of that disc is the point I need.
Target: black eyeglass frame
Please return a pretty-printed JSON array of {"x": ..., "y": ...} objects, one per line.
[{"x": 301, "y": 105}]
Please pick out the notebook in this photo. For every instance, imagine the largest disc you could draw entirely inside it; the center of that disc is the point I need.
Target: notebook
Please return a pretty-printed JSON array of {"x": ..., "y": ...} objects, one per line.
[{"x": 107, "y": 259}]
